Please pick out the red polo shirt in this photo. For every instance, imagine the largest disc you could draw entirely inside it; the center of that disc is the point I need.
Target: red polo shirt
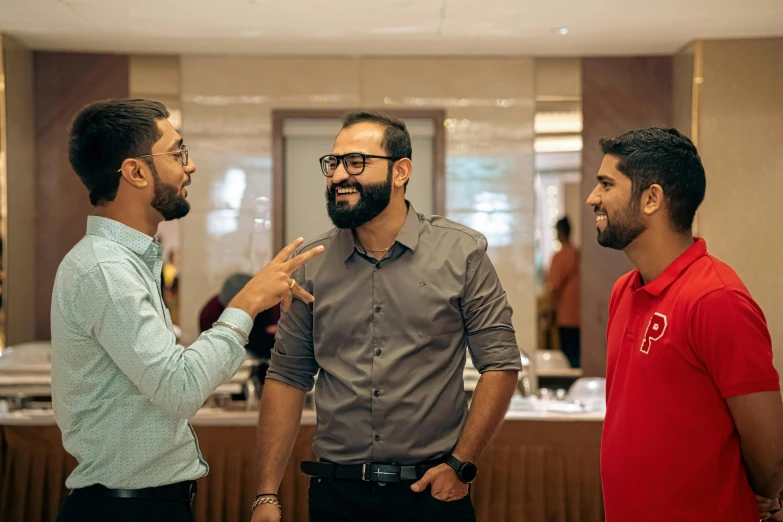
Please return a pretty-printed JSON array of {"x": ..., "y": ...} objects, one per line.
[{"x": 677, "y": 348}]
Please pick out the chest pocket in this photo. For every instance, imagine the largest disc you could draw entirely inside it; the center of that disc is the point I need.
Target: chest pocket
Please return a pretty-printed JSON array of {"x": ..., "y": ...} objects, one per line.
[{"x": 430, "y": 307}]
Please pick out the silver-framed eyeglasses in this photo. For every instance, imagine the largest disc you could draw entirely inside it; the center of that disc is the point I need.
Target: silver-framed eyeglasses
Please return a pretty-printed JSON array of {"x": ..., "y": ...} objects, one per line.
[
  {"x": 354, "y": 162},
  {"x": 182, "y": 155}
]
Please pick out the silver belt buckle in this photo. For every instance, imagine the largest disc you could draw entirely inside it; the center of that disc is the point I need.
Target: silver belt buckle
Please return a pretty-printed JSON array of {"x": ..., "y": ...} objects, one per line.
[{"x": 365, "y": 472}]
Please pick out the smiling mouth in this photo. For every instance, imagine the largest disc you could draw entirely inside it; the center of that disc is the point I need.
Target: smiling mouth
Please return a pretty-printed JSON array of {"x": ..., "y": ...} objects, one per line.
[{"x": 347, "y": 191}]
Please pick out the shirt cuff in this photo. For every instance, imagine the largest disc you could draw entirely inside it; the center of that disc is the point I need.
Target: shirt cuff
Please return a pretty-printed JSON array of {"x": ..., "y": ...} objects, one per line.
[{"x": 238, "y": 318}]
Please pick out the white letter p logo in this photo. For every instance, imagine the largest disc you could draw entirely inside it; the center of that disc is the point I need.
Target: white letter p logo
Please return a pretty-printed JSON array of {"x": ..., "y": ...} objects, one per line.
[{"x": 655, "y": 329}]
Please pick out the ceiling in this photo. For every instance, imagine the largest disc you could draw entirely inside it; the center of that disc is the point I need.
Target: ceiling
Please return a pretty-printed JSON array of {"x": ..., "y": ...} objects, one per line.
[{"x": 385, "y": 27}]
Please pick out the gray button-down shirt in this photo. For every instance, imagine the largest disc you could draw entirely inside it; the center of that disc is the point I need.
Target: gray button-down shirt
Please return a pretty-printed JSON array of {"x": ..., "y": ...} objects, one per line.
[{"x": 389, "y": 339}]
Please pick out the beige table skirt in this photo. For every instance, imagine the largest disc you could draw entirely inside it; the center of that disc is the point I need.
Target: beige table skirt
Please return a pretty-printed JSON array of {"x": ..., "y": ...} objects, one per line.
[{"x": 535, "y": 471}]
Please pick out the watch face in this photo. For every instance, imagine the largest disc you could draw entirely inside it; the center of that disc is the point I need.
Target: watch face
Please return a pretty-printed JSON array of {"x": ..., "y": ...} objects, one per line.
[{"x": 468, "y": 472}]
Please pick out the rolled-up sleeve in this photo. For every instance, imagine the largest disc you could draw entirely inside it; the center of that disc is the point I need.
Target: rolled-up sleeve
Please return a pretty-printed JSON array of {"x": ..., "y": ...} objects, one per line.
[
  {"x": 487, "y": 316},
  {"x": 293, "y": 362}
]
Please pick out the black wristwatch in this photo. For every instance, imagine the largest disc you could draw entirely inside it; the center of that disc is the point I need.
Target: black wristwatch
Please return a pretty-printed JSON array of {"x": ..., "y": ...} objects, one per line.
[{"x": 466, "y": 471}]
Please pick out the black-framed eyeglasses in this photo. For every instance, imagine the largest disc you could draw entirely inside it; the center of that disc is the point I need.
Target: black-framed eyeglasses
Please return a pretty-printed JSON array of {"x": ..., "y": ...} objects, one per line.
[
  {"x": 182, "y": 155},
  {"x": 354, "y": 162}
]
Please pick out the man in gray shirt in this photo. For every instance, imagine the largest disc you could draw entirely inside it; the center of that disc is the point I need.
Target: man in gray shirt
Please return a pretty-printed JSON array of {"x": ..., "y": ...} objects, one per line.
[{"x": 399, "y": 298}]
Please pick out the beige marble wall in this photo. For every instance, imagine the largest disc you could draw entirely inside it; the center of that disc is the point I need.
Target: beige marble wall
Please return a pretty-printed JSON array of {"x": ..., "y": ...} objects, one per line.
[
  {"x": 19, "y": 241},
  {"x": 683, "y": 87},
  {"x": 558, "y": 79},
  {"x": 227, "y": 104},
  {"x": 740, "y": 139}
]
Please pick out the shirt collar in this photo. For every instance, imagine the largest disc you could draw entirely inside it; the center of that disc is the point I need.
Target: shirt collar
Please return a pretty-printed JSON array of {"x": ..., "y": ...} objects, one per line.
[
  {"x": 130, "y": 238},
  {"x": 673, "y": 271},
  {"x": 408, "y": 236}
]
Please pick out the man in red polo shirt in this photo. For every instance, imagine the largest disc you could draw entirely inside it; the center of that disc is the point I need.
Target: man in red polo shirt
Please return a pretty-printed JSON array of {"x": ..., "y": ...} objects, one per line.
[{"x": 694, "y": 420}]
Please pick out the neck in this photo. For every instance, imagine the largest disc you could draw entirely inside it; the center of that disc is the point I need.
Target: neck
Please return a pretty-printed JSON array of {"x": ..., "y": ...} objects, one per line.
[
  {"x": 380, "y": 232},
  {"x": 652, "y": 254},
  {"x": 131, "y": 216}
]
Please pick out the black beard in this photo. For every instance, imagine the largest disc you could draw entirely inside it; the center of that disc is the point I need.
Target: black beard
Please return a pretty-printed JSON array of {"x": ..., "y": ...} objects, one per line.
[
  {"x": 622, "y": 230},
  {"x": 167, "y": 200},
  {"x": 373, "y": 199}
]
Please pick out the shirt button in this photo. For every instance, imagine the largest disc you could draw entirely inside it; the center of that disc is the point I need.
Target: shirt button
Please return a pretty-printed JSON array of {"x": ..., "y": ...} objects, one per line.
[
  {"x": 378, "y": 352},
  {"x": 377, "y": 393},
  {"x": 377, "y": 438},
  {"x": 377, "y": 309},
  {"x": 378, "y": 266}
]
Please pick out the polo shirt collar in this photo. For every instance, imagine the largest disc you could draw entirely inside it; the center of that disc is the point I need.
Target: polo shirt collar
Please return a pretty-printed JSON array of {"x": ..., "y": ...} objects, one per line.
[{"x": 673, "y": 271}]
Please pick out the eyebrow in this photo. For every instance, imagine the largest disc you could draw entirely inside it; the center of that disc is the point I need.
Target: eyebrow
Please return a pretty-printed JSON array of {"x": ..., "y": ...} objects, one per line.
[
  {"x": 177, "y": 144},
  {"x": 605, "y": 178}
]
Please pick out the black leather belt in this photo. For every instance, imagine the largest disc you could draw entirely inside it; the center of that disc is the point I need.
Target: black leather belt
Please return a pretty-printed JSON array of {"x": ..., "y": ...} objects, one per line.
[
  {"x": 179, "y": 492},
  {"x": 369, "y": 472}
]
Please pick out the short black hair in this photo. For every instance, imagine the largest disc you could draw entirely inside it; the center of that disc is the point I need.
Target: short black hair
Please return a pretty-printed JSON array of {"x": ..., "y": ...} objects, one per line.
[
  {"x": 106, "y": 133},
  {"x": 667, "y": 158},
  {"x": 396, "y": 139},
  {"x": 563, "y": 226}
]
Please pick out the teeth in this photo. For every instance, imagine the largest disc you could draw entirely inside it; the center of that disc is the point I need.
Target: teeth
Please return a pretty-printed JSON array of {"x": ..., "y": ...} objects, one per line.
[
  {"x": 346, "y": 190},
  {"x": 600, "y": 218}
]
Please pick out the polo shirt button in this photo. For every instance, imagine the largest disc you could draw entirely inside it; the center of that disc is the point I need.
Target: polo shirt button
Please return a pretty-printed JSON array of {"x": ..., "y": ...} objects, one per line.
[
  {"x": 378, "y": 351},
  {"x": 377, "y": 309},
  {"x": 377, "y": 438},
  {"x": 377, "y": 393}
]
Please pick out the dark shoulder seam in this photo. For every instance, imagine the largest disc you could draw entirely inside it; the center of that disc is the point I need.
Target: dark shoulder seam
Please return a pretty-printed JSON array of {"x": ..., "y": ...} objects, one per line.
[
  {"x": 723, "y": 286},
  {"x": 476, "y": 239},
  {"x": 717, "y": 274},
  {"x": 698, "y": 301}
]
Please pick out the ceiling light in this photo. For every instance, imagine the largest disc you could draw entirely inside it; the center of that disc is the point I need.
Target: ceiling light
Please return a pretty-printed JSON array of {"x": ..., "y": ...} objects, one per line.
[{"x": 560, "y": 30}]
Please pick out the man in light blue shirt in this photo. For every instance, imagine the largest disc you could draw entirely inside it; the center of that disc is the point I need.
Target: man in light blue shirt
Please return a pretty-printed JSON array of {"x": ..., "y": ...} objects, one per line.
[{"x": 123, "y": 390}]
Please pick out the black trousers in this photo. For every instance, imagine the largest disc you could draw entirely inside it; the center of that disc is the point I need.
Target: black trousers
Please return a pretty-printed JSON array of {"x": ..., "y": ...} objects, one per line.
[
  {"x": 569, "y": 344},
  {"x": 124, "y": 510},
  {"x": 355, "y": 501}
]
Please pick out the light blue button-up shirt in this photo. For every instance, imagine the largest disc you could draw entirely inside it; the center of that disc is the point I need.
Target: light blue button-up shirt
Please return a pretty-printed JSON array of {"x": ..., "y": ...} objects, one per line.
[{"x": 122, "y": 387}]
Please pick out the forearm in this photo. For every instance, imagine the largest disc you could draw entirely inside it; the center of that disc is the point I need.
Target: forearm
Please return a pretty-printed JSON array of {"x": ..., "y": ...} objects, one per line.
[
  {"x": 209, "y": 362},
  {"x": 759, "y": 421},
  {"x": 176, "y": 379},
  {"x": 278, "y": 424},
  {"x": 490, "y": 404},
  {"x": 766, "y": 481}
]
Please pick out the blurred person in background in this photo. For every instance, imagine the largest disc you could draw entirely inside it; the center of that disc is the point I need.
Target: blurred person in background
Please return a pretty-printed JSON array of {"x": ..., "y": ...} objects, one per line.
[
  {"x": 262, "y": 335},
  {"x": 563, "y": 283}
]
